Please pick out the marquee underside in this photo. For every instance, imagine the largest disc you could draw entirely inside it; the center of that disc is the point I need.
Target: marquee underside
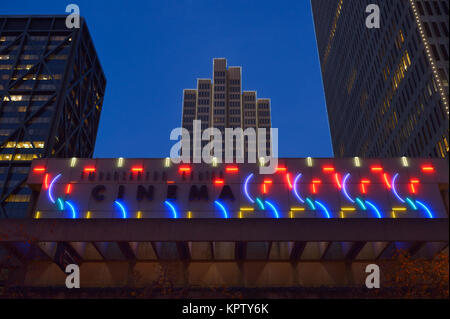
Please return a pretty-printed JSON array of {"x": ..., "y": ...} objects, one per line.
[{"x": 221, "y": 240}]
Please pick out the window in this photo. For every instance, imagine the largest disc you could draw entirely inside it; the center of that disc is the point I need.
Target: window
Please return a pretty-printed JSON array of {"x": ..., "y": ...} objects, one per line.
[{"x": 436, "y": 29}]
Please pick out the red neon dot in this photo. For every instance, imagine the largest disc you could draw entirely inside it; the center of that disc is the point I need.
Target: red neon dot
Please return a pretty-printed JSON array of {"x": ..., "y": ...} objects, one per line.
[
  {"x": 328, "y": 169},
  {"x": 39, "y": 169},
  {"x": 89, "y": 169},
  {"x": 281, "y": 169},
  {"x": 68, "y": 188},
  {"x": 376, "y": 169},
  {"x": 170, "y": 182},
  {"x": 232, "y": 169},
  {"x": 137, "y": 169},
  {"x": 427, "y": 168},
  {"x": 264, "y": 189},
  {"x": 184, "y": 169},
  {"x": 268, "y": 181},
  {"x": 219, "y": 182}
]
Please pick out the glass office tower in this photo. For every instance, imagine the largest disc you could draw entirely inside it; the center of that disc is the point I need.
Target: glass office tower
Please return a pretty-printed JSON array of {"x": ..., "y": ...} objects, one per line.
[
  {"x": 51, "y": 95},
  {"x": 386, "y": 89},
  {"x": 221, "y": 103}
]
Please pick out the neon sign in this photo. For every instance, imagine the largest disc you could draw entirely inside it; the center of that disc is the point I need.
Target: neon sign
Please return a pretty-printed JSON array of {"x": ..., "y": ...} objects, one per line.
[{"x": 323, "y": 190}]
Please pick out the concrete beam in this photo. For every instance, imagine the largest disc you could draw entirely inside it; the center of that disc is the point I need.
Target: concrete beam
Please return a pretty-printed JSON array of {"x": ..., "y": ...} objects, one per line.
[{"x": 145, "y": 230}]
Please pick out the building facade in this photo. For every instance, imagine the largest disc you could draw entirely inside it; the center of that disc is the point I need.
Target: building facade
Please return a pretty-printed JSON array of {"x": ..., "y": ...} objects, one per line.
[
  {"x": 386, "y": 89},
  {"x": 51, "y": 95},
  {"x": 314, "y": 223},
  {"x": 222, "y": 104}
]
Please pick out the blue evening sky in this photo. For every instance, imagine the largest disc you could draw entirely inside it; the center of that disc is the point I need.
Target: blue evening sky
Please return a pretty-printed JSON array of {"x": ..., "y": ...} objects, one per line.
[{"x": 151, "y": 50}]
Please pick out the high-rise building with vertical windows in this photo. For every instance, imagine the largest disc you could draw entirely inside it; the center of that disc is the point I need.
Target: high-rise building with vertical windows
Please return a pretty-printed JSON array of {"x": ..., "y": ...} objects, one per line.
[
  {"x": 51, "y": 94},
  {"x": 221, "y": 103},
  {"x": 386, "y": 88}
]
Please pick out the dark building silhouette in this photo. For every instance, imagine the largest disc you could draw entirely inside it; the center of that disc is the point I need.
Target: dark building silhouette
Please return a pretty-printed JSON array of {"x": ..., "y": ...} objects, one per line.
[
  {"x": 221, "y": 103},
  {"x": 51, "y": 95},
  {"x": 386, "y": 89}
]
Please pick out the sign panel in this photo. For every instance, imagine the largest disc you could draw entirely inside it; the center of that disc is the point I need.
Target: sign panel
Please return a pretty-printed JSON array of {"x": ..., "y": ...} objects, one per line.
[{"x": 301, "y": 188}]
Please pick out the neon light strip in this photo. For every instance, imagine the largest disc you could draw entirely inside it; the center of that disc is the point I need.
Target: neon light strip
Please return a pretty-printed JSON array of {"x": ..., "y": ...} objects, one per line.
[
  {"x": 411, "y": 203},
  {"x": 377, "y": 212},
  {"x": 249, "y": 177},
  {"x": 346, "y": 209},
  {"x": 427, "y": 168},
  {"x": 260, "y": 204},
  {"x": 68, "y": 188},
  {"x": 273, "y": 208},
  {"x": 124, "y": 212},
  {"x": 360, "y": 203},
  {"x": 74, "y": 215},
  {"x": 405, "y": 161},
  {"x": 222, "y": 208},
  {"x": 323, "y": 208},
  {"x": 397, "y": 209},
  {"x": 310, "y": 203},
  {"x": 394, "y": 189},
  {"x": 386, "y": 181},
  {"x": 430, "y": 215},
  {"x": 46, "y": 181},
  {"x": 295, "y": 188},
  {"x": 344, "y": 188},
  {"x": 60, "y": 203},
  {"x": 338, "y": 182},
  {"x": 288, "y": 179},
  {"x": 172, "y": 207},
  {"x": 232, "y": 169},
  {"x": 51, "y": 187}
]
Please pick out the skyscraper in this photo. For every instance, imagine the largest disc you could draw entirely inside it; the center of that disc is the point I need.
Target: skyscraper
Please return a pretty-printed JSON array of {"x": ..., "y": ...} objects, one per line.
[
  {"x": 386, "y": 89},
  {"x": 51, "y": 95},
  {"x": 221, "y": 103}
]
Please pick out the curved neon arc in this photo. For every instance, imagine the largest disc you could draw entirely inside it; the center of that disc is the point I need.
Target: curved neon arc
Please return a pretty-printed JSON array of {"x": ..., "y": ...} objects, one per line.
[
  {"x": 394, "y": 190},
  {"x": 344, "y": 188},
  {"x": 377, "y": 212},
  {"x": 60, "y": 203},
  {"x": 275, "y": 211},
  {"x": 222, "y": 207},
  {"x": 327, "y": 214},
  {"x": 295, "y": 188},
  {"x": 172, "y": 208},
  {"x": 50, "y": 195},
  {"x": 260, "y": 203},
  {"x": 430, "y": 215},
  {"x": 72, "y": 208},
  {"x": 360, "y": 203},
  {"x": 310, "y": 203},
  {"x": 411, "y": 203},
  {"x": 122, "y": 208},
  {"x": 249, "y": 177}
]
